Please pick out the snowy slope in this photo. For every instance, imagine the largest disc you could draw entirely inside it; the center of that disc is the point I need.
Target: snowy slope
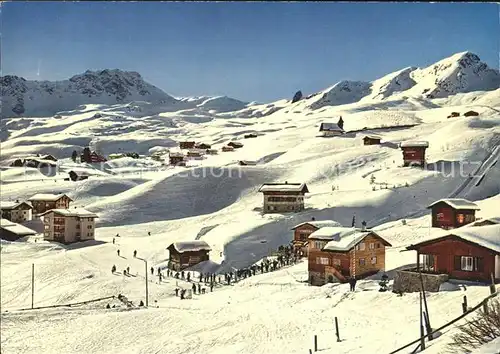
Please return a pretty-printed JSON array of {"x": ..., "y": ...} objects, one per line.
[{"x": 217, "y": 201}]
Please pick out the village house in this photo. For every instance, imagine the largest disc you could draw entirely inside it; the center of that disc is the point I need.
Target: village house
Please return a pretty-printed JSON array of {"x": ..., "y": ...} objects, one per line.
[
  {"x": 302, "y": 231},
  {"x": 176, "y": 159},
  {"x": 371, "y": 140},
  {"x": 185, "y": 254},
  {"x": 43, "y": 202},
  {"x": 17, "y": 212},
  {"x": 195, "y": 154},
  {"x": 466, "y": 253},
  {"x": 414, "y": 152},
  {"x": 283, "y": 197},
  {"x": 338, "y": 253},
  {"x": 211, "y": 152},
  {"x": 187, "y": 144},
  {"x": 452, "y": 213},
  {"x": 78, "y": 175},
  {"x": 331, "y": 129},
  {"x": 96, "y": 158},
  {"x": 69, "y": 225},
  {"x": 454, "y": 114},
  {"x": 249, "y": 136},
  {"x": 202, "y": 146},
  {"x": 227, "y": 148},
  {"x": 471, "y": 114},
  {"x": 235, "y": 144},
  {"x": 11, "y": 231}
]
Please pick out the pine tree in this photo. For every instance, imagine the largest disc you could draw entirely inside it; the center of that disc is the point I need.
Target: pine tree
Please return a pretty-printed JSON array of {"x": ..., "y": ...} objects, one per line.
[{"x": 383, "y": 283}]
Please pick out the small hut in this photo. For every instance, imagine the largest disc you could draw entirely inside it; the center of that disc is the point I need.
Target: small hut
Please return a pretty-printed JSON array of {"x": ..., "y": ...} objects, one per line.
[
  {"x": 371, "y": 140},
  {"x": 202, "y": 146},
  {"x": 211, "y": 152},
  {"x": 471, "y": 114},
  {"x": 78, "y": 175},
  {"x": 227, "y": 148},
  {"x": 235, "y": 144},
  {"x": 454, "y": 114},
  {"x": 176, "y": 159},
  {"x": 187, "y": 144}
]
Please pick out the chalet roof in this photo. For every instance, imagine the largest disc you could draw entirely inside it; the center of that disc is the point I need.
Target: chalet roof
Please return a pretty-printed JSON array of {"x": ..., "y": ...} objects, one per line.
[
  {"x": 485, "y": 236},
  {"x": 414, "y": 144},
  {"x": 318, "y": 224},
  {"x": 47, "y": 197},
  {"x": 284, "y": 187},
  {"x": 78, "y": 212},
  {"x": 372, "y": 137},
  {"x": 347, "y": 241},
  {"x": 493, "y": 220},
  {"x": 14, "y": 228},
  {"x": 332, "y": 233},
  {"x": 457, "y": 203},
  {"x": 332, "y": 127},
  {"x": 176, "y": 154},
  {"x": 5, "y": 205},
  {"x": 190, "y": 246}
]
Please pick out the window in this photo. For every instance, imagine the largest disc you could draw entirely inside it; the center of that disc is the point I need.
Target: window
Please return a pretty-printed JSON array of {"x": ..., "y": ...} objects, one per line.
[
  {"x": 378, "y": 245},
  {"x": 427, "y": 262},
  {"x": 371, "y": 245},
  {"x": 362, "y": 261},
  {"x": 360, "y": 247},
  {"x": 336, "y": 261},
  {"x": 374, "y": 260},
  {"x": 460, "y": 218},
  {"x": 468, "y": 263},
  {"x": 469, "y": 218},
  {"x": 440, "y": 217},
  {"x": 322, "y": 260},
  {"x": 318, "y": 244},
  {"x": 89, "y": 227}
]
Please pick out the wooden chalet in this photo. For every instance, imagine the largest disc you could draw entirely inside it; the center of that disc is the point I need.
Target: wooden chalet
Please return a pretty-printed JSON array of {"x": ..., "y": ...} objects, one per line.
[
  {"x": 17, "y": 163},
  {"x": 302, "y": 231},
  {"x": 283, "y": 197},
  {"x": 16, "y": 212},
  {"x": 471, "y": 114},
  {"x": 96, "y": 158},
  {"x": 371, "y": 140},
  {"x": 177, "y": 159},
  {"x": 249, "y": 136},
  {"x": 227, "y": 148},
  {"x": 454, "y": 114},
  {"x": 37, "y": 162},
  {"x": 337, "y": 253},
  {"x": 187, "y": 144},
  {"x": 203, "y": 146},
  {"x": 235, "y": 144},
  {"x": 43, "y": 202},
  {"x": 331, "y": 129},
  {"x": 187, "y": 253},
  {"x": 195, "y": 154},
  {"x": 211, "y": 151},
  {"x": 69, "y": 225},
  {"x": 467, "y": 253},
  {"x": 414, "y": 152},
  {"x": 11, "y": 231},
  {"x": 452, "y": 213},
  {"x": 78, "y": 175}
]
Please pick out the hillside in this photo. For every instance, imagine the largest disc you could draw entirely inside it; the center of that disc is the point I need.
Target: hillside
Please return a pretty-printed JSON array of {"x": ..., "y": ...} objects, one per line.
[{"x": 216, "y": 200}]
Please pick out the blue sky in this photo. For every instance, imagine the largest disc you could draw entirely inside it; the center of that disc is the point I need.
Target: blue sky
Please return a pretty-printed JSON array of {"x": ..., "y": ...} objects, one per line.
[{"x": 250, "y": 51}]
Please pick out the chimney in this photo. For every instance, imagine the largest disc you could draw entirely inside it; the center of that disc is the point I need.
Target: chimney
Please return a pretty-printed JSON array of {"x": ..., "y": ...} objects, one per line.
[
  {"x": 363, "y": 226},
  {"x": 17, "y": 200},
  {"x": 286, "y": 182},
  {"x": 313, "y": 218}
]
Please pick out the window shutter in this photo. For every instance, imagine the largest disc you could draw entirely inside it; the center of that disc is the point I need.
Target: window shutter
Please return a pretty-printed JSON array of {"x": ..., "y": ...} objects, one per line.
[
  {"x": 479, "y": 266},
  {"x": 458, "y": 263}
]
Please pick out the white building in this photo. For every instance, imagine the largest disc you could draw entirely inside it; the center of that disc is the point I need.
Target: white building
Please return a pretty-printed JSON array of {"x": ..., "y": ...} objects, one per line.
[
  {"x": 331, "y": 129},
  {"x": 17, "y": 212},
  {"x": 69, "y": 225},
  {"x": 283, "y": 197}
]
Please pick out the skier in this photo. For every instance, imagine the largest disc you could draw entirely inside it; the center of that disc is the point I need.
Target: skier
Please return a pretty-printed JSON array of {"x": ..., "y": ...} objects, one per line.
[
  {"x": 117, "y": 235},
  {"x": 201, "y": 276},
  {"x": 199, "y": 288},
  {"x": 113, "y": 269},
  {"x": 159, "y": 270},
  {"x": 149, "y": 233},
  {"x": 182, "y": 275},
  {"x": 176, "y": 291},
  {"x": 211, "y": 287},
  {"x": 118, "y": 251},
  {"x": 128, "y": 270},
  {"x": 188, "y": 276},
  {"x": 113, "y": 240},
  {"x": 135, "y": 253},
  {"x": 194, "y": 288},
  {"x": 152, "y": 271},
  {"x": 141, "y": 304}
]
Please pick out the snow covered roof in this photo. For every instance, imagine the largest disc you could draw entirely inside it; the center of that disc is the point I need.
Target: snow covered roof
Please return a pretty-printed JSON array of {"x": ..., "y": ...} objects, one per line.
[
  {"x": 190, "y": 246},
  {"x": 5, "y": 205},
  {"x": 319, "y": 224},
  {"x": 457, "y": 203},
  {"x": 332, "y": 232},
  {"x": 79, "y": 212},
  {"x": 47, "y": 197},
  {"x": 15, "y": 228},
  {"x": 176, "y": 154},
  {"x": 348, "y": 240},
  {"x": 485, "y": 236},
  {"x": 414, "y": 144},
  {"x": 330, "y": 127},
  {"x": 372, "y": 137},
  {"x": 284, "y": 187}
]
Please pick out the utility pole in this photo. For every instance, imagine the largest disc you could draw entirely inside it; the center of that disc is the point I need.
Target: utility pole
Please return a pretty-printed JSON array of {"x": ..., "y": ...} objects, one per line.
[
  {"x": 146, "y": 269},
  {"x": 32, "y": 285},
  {"x": 422, "y": 338}
]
